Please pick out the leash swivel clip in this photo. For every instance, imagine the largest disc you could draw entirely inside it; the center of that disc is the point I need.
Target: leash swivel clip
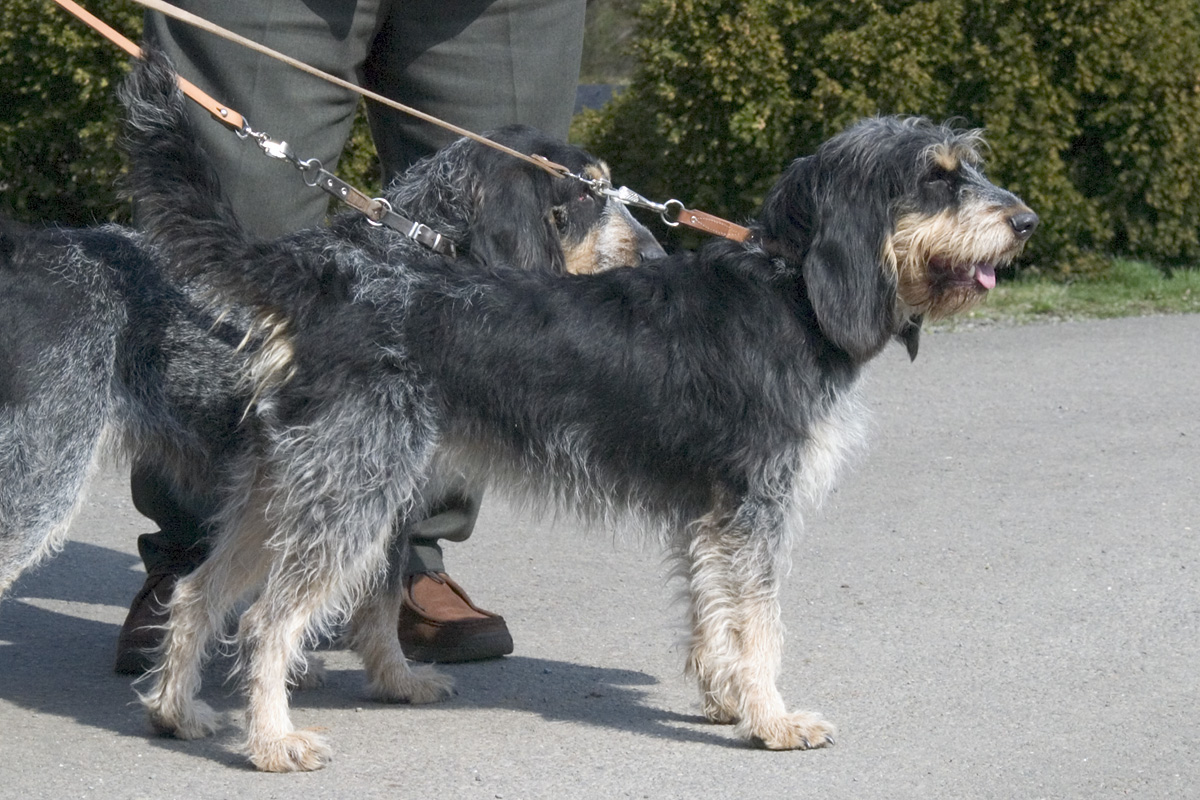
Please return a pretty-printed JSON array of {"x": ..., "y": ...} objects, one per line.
[
  {"x": 275, "y": 149},
  {"x": 669, "y": 212},
  {"x": 673, "y": 212}
]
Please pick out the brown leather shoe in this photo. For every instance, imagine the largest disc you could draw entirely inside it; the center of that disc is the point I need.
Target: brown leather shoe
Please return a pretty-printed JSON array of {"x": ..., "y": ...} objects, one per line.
[
  {"x": 142, "y": 631},
  {"x": 438, "y": 622}
]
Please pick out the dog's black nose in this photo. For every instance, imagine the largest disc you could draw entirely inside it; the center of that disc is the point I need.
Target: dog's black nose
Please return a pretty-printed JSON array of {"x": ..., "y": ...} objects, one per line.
[
  {"x": 649, "y": 249},
  {"x": 1024, "y": 224}
]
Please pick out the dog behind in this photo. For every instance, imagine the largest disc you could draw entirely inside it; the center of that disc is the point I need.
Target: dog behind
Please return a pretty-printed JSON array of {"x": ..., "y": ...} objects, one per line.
[{"x": 101, "y": 352}]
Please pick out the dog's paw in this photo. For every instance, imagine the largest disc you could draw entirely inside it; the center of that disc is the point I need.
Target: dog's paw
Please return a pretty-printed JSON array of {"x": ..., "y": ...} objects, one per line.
[
  {"x": 416, "y": 685},
  {"x": 297, "y": 751},
  {"x": 195, "y": 720},
  {"x": 311, "y": 675},
  {"x": 799, "y": 730},
  {"x": 717, "y": 712}
]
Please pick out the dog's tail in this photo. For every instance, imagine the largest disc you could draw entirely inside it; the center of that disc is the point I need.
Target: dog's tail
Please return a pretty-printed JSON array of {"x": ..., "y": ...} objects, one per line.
[
  {"x": 175, "y": 189},
  {"x": 179, "y": 205}
]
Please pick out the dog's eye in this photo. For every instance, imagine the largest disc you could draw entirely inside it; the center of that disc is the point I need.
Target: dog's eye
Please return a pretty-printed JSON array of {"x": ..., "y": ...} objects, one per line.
[{"x": 940, "y": 181}]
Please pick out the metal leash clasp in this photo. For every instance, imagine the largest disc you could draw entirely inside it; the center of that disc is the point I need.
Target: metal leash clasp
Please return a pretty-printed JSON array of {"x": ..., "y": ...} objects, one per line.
[
  {"x": 672, "y": 212},
  {"x": 669, "y": 211},
  {"x": 281, "y": 150}
]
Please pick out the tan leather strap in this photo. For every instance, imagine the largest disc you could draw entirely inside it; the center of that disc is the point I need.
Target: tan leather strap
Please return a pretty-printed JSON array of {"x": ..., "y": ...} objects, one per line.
[
  {"x": 220, "y": 112},
  {"x": 700, "y": 220},
  {"x": 703, "y": 221}
]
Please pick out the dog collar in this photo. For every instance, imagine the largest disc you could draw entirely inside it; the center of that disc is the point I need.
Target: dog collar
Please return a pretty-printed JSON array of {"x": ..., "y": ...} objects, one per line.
[{"x": 377, "y": 210}]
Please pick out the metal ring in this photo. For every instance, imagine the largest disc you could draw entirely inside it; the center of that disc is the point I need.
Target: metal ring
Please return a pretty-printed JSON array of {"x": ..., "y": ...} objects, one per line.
[
  {"x": 314, "y": 165},
  {"x": 674, "y": 208},
  {"x": 387, "y": 209}
]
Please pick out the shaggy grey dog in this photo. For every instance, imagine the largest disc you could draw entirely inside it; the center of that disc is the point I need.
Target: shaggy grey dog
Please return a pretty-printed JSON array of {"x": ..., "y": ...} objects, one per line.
[{"x": 705, "y": 397}]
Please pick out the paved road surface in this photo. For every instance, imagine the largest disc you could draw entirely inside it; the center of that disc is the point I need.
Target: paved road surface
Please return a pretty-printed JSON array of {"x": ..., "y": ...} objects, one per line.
[{"x": 1002, "y": 600}]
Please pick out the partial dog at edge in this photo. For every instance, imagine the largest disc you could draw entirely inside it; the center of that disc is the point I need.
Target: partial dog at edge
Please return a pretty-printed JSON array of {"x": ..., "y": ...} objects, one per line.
[
  {"x": 101, "y": 353},
  {"x": 706, "y": 398}
]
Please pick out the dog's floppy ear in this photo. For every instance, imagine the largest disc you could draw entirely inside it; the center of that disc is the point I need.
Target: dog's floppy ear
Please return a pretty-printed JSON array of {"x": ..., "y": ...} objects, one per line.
[
  {"x": 514, "y": 219},
  {"x": 838, "y": 229}
]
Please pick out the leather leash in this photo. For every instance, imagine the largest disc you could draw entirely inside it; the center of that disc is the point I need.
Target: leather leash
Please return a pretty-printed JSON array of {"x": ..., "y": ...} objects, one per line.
[
  {"x": 377, "y": 210},
  {"x": 220, "y": 112},
  {"x": 673, "y": 212}
]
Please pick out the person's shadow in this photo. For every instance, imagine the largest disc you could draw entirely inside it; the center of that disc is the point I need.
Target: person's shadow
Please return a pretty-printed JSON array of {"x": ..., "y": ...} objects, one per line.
[{"x": 58, "y": 633}]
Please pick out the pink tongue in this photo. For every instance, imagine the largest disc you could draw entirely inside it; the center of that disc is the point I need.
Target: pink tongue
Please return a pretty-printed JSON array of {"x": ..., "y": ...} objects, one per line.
[{"x": 985, "y": 274}]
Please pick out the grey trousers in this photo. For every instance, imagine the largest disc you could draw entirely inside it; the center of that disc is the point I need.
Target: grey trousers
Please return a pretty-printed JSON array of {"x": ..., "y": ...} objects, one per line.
[{"x": 479, "y": 64}]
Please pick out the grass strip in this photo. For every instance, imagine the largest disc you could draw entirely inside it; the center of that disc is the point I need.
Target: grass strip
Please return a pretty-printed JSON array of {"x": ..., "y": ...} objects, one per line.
[{"x": 1127, "y": 289}]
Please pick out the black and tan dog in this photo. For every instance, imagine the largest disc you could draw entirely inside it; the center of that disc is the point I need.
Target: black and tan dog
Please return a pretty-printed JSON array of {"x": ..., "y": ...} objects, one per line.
[{"x": 706, "y": 398}]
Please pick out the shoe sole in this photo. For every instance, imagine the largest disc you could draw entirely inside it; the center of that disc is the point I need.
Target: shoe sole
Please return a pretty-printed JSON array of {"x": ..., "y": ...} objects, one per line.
[{"x": 478, "y": 648}]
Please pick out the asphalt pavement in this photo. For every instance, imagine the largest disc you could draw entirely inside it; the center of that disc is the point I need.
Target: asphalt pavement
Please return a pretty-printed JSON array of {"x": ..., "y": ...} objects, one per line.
[{"x": 1001, "y": 600}]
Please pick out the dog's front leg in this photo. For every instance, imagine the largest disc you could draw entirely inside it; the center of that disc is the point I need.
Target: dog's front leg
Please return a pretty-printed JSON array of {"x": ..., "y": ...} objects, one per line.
[
  {"x": 763, "y": 717},
  {"x": 715, "y": 641},
  {"x": 737, "y": 635}
]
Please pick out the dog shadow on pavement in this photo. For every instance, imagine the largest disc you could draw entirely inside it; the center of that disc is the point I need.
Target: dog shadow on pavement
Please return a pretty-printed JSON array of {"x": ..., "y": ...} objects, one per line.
[{"x": 58, "y": 633}]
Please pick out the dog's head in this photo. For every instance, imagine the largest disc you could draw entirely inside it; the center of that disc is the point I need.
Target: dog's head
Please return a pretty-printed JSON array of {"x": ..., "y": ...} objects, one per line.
[
  {"x": 527, "y": 217},
  {"x": 890, "y": 222}
]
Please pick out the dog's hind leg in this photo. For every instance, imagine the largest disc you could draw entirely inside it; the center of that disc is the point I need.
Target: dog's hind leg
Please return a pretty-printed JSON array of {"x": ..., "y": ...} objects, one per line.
[
  {"x": 50, "y": 445},
  {"x": 733, "y": 565},
  {"x": 199, "y": 606},
  {"x": 272, "y": 635},
  {"x": 390, "y": 678},
  {"x": 318, "y": 571},
  {"x": 307, "y": 584}
]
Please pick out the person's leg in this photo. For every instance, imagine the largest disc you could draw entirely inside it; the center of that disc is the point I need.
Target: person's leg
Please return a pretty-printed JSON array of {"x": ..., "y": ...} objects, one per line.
[
  {"x": 438, "y": 622},
  {"x": 479, "y": 64},
  {"x": 174, "y": 550},
  {"x": 268, "y": 196}
]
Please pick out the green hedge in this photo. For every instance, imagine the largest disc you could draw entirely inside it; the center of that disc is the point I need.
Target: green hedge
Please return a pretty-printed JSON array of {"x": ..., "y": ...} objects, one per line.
[
  {"x": 1092, "y": 108},
  {"x": 59, "y": 120}
]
